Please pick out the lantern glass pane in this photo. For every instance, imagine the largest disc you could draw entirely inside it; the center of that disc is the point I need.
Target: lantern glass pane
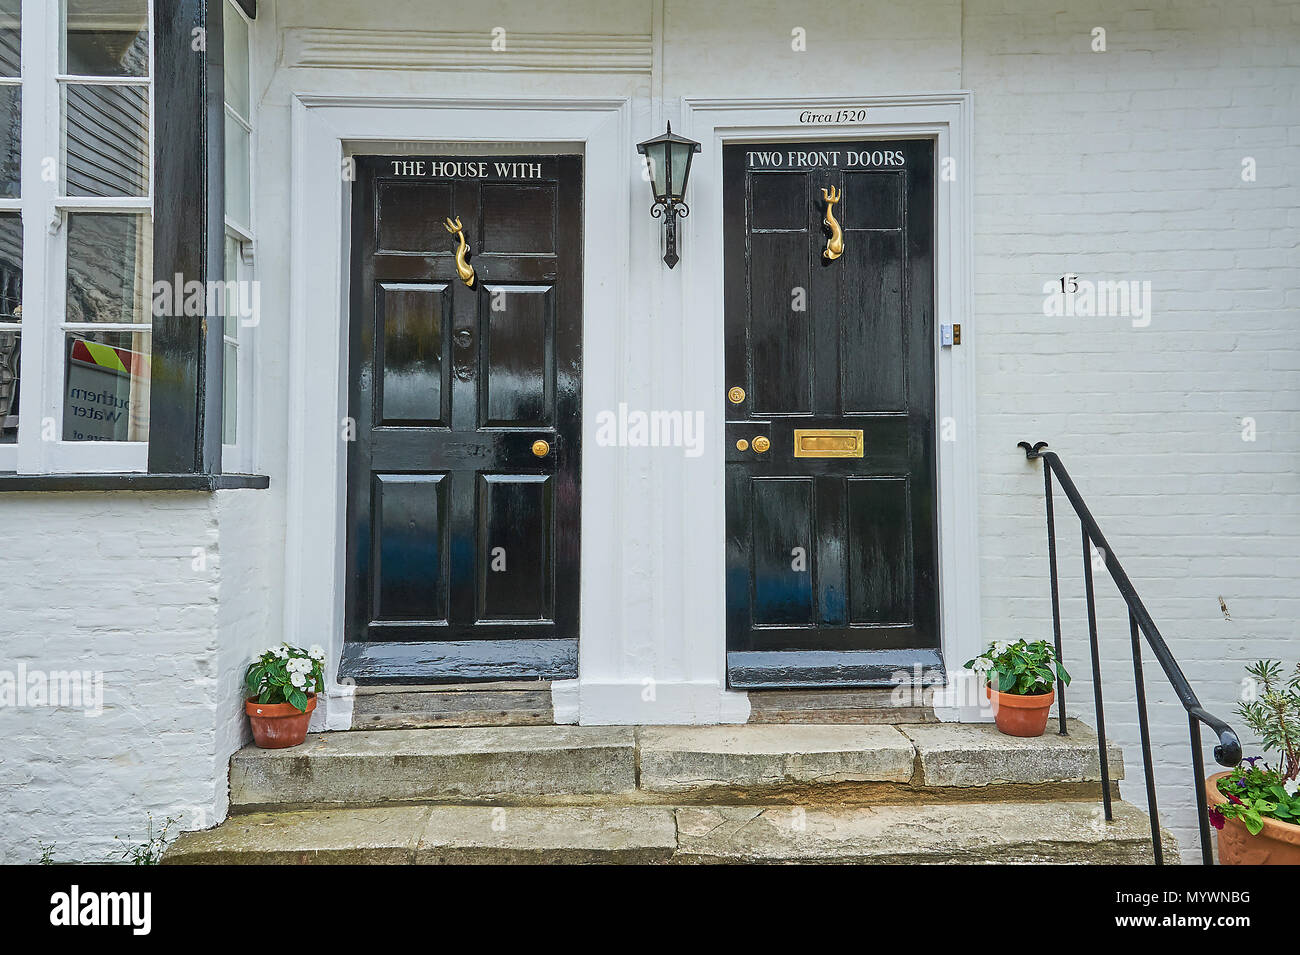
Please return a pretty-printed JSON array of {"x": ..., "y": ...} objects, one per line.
[
  {"x": 680, "y": 162},
  {"x": 654, "y": 157}
]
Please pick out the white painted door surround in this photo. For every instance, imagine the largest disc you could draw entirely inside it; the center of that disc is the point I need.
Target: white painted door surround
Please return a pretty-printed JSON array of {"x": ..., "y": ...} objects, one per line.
[{"x": 652, "y": 623}]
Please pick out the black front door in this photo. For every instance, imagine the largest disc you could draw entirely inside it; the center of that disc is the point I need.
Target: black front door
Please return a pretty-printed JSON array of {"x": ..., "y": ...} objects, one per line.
[
  {"x": 465, "y": 398},
  {"x": 830, "y": 475}
]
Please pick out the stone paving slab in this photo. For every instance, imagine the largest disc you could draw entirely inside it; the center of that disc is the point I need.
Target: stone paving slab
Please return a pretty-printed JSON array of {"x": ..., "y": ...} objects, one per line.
[
  {"x": 679, "y": 759},
  {"x": 381, "y": 836},
  {"x": 976, "y": 754},
  {"x": 471, "y": 763},
  {"x": 964, "y": 833},
  {"x": 551, "y": 835}
]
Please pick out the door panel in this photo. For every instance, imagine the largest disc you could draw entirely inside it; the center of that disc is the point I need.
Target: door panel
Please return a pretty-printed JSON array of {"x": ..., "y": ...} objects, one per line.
[
  {"x": 463, "y": 551},
  {"x": 832, "y": 574},
  {"x": 410, "y": 353},
  {"x": 410, "y": 539}
]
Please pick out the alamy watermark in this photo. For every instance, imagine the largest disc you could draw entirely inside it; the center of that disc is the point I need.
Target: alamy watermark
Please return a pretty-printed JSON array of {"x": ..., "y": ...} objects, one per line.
[
  {"x": 1073, "y": 297},
  {"x": 240, "y": 299},
  {"x": 76, "y": 689},
  {"x": 651, "y": 429}
]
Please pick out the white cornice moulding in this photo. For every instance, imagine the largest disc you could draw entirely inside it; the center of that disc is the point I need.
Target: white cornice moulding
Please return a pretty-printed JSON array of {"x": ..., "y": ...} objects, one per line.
[{"x": 442, "y": 50}]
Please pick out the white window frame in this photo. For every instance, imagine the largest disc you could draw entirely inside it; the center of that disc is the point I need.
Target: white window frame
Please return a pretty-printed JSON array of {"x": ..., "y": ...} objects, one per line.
[
  {"x": 238, "y": 457},
  {"x": 45, "y": 214}
]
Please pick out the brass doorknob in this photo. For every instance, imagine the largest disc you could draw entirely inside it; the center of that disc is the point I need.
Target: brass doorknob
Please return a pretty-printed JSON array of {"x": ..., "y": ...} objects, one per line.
[
  {"x": 761, "y": 444},
  {"x": 742, "y": 445},
  {"x": 541, "y": 448},
  {"x": 736, "y": 395}
]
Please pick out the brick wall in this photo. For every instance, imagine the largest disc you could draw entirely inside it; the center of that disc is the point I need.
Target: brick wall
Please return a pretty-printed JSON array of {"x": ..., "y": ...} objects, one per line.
[
  {"x": 165, "y": 594},
  {"x": 1127, "y": 164}
]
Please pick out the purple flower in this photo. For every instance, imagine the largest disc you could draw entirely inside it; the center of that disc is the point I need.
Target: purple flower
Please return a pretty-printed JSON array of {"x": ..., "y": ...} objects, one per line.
[
  {"x": 1252, "y": 760},
  {"x": 1233, "y": 799},
  {"x": 1241, "y": 784},
  {"x": 1216, "y": 818}
]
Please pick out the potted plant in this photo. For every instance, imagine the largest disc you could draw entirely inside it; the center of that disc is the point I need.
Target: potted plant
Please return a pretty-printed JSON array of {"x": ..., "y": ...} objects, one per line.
[
  {"x": 1256, "y": 808},
  {"x": 283, "y": 682},
  {"x": 1018, "y": 680}
]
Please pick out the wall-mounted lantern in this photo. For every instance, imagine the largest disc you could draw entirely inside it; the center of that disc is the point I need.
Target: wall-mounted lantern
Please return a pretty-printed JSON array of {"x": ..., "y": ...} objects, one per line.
[{"x": 668, "y": 161}]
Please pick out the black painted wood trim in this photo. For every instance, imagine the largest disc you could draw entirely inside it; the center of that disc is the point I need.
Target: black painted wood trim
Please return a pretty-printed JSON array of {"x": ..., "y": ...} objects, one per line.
[
  {"x": 842, "y": 669},
  {"x": 459, "y": 661},
  {"x": 249, "y": 7},
  {"x": 130, "y": 482},
  {"x": 189, "y": 231}
]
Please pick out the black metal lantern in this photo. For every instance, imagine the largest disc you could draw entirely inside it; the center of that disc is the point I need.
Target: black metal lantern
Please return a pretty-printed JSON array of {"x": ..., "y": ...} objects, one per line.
[{"x": 668, "y": 162}]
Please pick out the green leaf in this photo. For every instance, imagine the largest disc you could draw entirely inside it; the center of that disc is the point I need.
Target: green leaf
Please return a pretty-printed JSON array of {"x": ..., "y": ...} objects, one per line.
[{"x": 299, "y": 700}]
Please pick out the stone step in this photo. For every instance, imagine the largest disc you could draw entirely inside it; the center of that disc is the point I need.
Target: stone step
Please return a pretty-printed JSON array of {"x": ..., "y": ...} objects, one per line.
[
  {"x": 610, "y": 765},
  {"x": 475, "y": 764},
  {"x": 901, "y": 705},
  {"x": 1023, "y": 832},
  {"x": 465, "y": 704}
]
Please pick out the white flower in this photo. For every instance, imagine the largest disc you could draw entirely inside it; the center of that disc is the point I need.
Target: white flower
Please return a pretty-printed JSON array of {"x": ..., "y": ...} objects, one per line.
[
  {"x": 982, "y": 665},
  {"x": 298, "y": 680},
  {"x": 316, "y": 652}
]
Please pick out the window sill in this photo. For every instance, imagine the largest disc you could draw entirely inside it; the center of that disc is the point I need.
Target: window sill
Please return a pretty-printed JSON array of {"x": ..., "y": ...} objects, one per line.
[{"x": 10, "y": 481}]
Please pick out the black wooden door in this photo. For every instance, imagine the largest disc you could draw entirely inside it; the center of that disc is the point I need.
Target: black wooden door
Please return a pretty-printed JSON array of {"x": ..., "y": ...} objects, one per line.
[
  {"x": 831, "y": 540},
  {"x": 463, "y": 475}
]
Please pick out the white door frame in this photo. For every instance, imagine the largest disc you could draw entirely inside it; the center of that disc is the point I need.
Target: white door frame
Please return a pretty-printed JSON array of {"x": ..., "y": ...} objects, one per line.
[
  {"x": 322, "y": 127},
  {"x": 947, "y": 118}
]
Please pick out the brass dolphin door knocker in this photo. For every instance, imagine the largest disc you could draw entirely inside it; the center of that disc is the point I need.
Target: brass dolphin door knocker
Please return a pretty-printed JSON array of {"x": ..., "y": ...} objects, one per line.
[
  {"x": 835, "y": 245},
  {"x": 463, "y": 268}
]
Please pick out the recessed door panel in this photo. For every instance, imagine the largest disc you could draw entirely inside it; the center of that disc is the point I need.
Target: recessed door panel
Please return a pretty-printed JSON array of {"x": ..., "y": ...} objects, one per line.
[
  {"x": 516, "y": 529},
  {"x": 780, "y": 334},
  {"x": 880, "y": 580},
  {"x": 410, "y": 557},
  {"x": 829, "y": 326},
  {"x": 784, "y": 551},
  {"x": 519, "y": 219},
  {"x": 406, "y": 224},
  {"x": 873, "y": 323},
  {"x": 411, "y": 340},
  {"x": 518, "y": 358}
]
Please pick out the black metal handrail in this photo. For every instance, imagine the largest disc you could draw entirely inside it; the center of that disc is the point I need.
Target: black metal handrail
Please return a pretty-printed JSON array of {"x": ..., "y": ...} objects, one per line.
[{"x": 1228, "y": 750}]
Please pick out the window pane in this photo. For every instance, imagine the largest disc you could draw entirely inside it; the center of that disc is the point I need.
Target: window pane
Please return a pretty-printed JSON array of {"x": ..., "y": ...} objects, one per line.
[
  {"x": 238, "y": 206},
  {"x": 231, "y": 328},
  {"x": 11, "y": 13},
  {"x": 107, "y": 386},
  {"x": 110, "y": 267},
  {"x": 107, "y": 135},
  {"x": 11, "y": 311},
  {"x": 11, "y": 267},
  {"x": 237, "y": 61},
  {"x": 10, "y": 342},
  {"x": 106, "y": 37},
  {"x": 230, "y": 395},
  {"x": 11, "y": 120}
]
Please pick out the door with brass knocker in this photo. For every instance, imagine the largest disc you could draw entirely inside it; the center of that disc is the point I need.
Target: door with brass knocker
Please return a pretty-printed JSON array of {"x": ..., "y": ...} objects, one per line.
[
  {"x": 465, "y": 398},
  {"x": 831, "y": 550}
]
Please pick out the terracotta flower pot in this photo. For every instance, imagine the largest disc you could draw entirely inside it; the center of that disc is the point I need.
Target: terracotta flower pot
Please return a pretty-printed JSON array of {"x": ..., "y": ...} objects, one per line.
[
  {"x": 277, "y": 725},
  {"x": 1021, "y": 715},
  {"x": 1278, "y": 843}
]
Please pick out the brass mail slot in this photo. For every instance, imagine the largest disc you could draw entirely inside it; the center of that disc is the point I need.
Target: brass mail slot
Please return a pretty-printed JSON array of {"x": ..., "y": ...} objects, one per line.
[{"x": 827, "y": 443}]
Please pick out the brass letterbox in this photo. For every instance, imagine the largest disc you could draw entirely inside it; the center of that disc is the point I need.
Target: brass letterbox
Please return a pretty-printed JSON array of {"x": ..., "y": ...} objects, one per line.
[{"x": 827, "y": 443}]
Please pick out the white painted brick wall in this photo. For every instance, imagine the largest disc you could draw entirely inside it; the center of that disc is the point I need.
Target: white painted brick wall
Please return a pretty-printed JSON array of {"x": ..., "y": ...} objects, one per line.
[
  {"x": 109, "y": 582},
  {"x": 1127, "y": 165}
]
